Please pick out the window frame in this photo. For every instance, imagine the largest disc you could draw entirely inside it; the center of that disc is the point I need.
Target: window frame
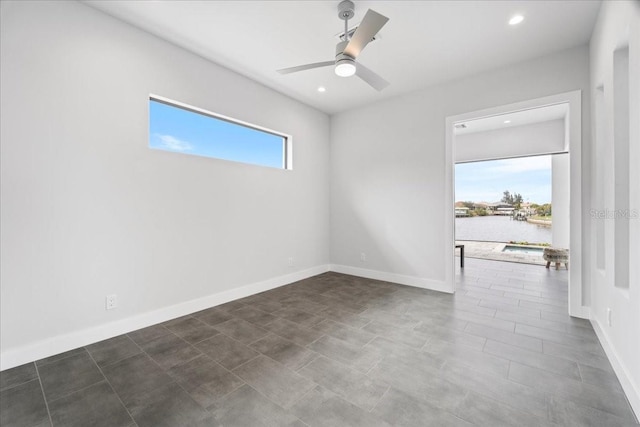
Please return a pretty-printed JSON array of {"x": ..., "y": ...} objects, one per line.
[{"x": 287, "y": 154}]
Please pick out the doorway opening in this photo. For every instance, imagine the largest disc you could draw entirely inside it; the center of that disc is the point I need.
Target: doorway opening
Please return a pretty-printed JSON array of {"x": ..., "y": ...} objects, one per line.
[{"x": 549, "y": 126}]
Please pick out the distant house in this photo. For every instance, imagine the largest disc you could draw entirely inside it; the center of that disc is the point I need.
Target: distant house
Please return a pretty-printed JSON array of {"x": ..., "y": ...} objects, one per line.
[
  {"x": 504, "y": 210},
  {"x": 462, "y": 211},
  {"x": 527, "y": 209},
  {"x": 498, "y": 208}
]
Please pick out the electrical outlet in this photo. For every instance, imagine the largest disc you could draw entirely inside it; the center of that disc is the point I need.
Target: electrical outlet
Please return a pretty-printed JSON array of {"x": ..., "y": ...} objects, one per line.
[
  {"x": 291, "y": 262},
  {"x": 608, "y": 316},
  {"x": 111, "y": 302},
  {"x": 363, "y": 257}
]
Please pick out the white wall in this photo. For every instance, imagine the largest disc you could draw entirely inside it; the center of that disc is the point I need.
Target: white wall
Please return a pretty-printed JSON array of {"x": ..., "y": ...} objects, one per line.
[
  {"x": 618, "y": 25},
  {"x": 389, "y": 173},
  {"x": 89, "y": 210},
  {"x": 515, "y": 141},
  {"x": 560, "y": 199}
]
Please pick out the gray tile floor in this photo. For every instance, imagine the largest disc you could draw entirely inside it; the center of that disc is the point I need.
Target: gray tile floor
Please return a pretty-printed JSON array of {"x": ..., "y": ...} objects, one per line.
[{"x": 337, "y": 350}]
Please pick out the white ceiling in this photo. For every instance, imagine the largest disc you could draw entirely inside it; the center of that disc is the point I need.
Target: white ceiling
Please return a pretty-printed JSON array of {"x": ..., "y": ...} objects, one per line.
[
  {"x": 424, "y": 42},
  {"x": 516, "y": 118}
]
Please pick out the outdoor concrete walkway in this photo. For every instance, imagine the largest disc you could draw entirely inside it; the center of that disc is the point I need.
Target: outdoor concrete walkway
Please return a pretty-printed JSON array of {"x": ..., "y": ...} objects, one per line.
[{"x": 494, "y": 251}]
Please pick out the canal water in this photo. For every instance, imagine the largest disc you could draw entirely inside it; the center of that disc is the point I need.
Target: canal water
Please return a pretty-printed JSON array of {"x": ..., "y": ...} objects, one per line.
[{"x": 501, "y": 229}]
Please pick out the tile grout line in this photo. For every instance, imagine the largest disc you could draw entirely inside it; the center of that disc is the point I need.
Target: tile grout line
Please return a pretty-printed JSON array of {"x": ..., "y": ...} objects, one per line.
[
  {"x": 579, "y": 371},
  {"x": 297, "y": 400},
  {"x": 375, "y": 405},
  {"x": 226, "y": 394},
  {"x": 456, "y": 410},
  {"x": 20, "y": 384},
  {"x": 172, "y": 379},
  {"x": 62, "y": 358},
  {"x": 44, "y": 395},
  {"x": 165, "y": 370},
  {"x": 297, "y": 371},
  {"x": 111, "y": 386}
]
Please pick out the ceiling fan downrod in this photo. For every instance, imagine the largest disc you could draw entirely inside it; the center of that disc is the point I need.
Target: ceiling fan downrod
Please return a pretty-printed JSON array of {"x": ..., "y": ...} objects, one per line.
[
  {"x": 345, "y": 64},
  {"x": 346, "y": 11}
]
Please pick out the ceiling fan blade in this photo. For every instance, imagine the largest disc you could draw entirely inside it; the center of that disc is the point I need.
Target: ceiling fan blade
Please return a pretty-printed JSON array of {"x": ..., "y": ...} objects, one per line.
[
  {"x": 368, "y": 28},
  {"x": 306, "y": 67},
  {"x": 374, "y": 80}
]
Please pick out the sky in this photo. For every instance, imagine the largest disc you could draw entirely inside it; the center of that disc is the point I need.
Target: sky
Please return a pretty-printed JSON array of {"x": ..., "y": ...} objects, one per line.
[
  {"x": 486, "y": 181},
  {"x": 178, "y": 130}
]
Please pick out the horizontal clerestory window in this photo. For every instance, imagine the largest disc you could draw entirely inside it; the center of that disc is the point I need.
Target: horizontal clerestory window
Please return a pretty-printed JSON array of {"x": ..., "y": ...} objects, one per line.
[{"x": 180, "y": 128}]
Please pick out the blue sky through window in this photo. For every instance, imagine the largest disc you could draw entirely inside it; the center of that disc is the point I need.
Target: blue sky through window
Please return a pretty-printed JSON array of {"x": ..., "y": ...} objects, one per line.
[
  {"x": 486, "y": 181},
  {"x": 179, "y": 130}
]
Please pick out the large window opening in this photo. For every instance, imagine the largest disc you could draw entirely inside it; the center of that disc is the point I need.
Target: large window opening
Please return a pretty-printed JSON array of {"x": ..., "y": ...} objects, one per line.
[
  {"x": 506, "y": 201},
  {"x": 180, "y": 128}
]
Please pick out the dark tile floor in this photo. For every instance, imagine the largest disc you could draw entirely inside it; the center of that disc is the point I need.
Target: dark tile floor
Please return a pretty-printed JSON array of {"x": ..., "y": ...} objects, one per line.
[{"x": 337, "y": 350}]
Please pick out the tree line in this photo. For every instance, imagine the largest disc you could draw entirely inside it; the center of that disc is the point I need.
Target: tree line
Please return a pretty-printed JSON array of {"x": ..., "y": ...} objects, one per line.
[{"x": 515, "y": 200}]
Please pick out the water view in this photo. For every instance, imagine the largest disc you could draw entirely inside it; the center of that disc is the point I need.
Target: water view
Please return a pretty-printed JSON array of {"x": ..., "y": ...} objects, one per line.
[{"x": 501, "y": 229}]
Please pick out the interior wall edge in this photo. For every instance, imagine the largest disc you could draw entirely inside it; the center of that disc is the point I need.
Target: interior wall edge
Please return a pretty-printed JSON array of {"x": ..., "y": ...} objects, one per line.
[
  {"x": 416, "y": 282},
  {"x": 631, "y": 389}
]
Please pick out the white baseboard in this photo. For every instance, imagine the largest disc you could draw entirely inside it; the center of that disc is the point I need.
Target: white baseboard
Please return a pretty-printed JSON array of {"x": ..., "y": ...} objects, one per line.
[
  {"x": 581, "y": 312},
  {"x": 417, "y": 282},
  {"x": 59, "y": 344},
  {"x": 630, "y": 388}
]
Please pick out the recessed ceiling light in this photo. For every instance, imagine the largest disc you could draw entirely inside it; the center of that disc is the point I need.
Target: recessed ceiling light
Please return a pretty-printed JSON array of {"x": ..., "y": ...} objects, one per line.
[
  {"x": 516, "y": 19},
  {"x": 322, "y": 89},
  {"x": 507, "y": 121}
]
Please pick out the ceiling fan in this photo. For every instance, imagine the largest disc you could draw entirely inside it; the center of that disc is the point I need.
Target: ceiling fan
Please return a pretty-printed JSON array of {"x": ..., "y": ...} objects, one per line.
[{"x": 349, "y": 48}]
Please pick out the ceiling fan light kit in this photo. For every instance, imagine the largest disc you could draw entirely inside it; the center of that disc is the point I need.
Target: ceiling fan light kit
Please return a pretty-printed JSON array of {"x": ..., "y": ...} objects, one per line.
[
  {"x": 345, "y": 67},
  {"x": 348, "y": 49}
]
